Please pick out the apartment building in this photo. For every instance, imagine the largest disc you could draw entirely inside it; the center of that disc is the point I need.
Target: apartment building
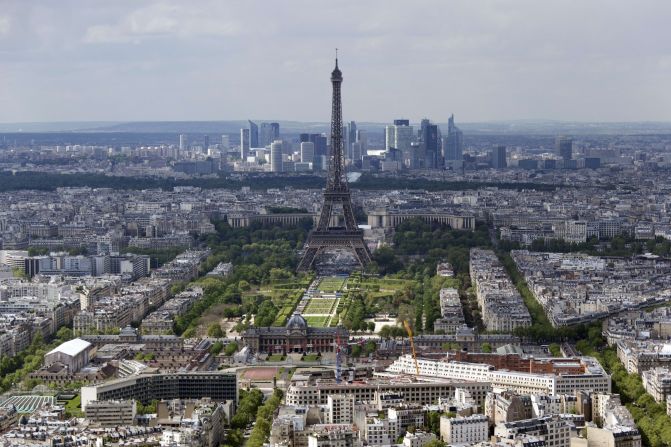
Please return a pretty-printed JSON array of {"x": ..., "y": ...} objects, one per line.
[
  {"x": 111, "y": 413},
  {"x": 464, "y": 430}
]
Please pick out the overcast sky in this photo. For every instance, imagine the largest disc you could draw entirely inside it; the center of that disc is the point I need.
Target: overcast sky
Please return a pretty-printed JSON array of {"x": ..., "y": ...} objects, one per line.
[{"x": 583, "y": 60}]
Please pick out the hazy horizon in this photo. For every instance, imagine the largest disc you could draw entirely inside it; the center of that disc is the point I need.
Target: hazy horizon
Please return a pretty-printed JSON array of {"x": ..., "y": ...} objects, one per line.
[{"x": 592, "y": 61}]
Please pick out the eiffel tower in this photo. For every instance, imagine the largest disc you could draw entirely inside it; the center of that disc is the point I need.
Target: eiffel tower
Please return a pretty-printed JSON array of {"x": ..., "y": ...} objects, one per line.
[{"x": 325, "y": 237}]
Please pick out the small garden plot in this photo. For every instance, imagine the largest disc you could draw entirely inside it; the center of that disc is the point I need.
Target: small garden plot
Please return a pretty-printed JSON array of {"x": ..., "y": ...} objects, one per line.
[
  {"x": 322, "y": 306},
  {"x": 331, "y": 284},
  {"x": 316, "y": 321}
]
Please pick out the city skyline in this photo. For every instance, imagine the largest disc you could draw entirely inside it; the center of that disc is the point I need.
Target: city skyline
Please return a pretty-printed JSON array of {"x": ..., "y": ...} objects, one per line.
[
  {"x": 464, "y": 238},
  {"x": 100, "y": 62}
]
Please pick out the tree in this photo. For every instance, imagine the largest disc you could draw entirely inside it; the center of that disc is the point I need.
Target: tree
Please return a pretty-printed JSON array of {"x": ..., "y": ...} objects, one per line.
[
  {"x": 214, "y": 330},
  {"x": 266, "y": 314},
  {"x": 451, "y": 346},
  {"x": 150, "y": 408},
  {"x": 486, "y": 347},
  {"x": 230, "y": 349},
  {"x": 64, "y": 334},
  {"x": 356, "y": 351},
  {"x": 433, "y": 422},
  {"x": 277, "y": 274},
  {"x": 370, "y": 347},
  {"x": 385, "y": 332},
  {"x": 216, "y": 347},
  {"x": 386, "y": 261}
]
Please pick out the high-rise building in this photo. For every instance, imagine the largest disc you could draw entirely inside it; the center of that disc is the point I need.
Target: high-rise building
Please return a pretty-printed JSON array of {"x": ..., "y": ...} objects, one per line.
[
  {"x": 319, "y": 140},
  {"x": 253, "y": 134},
  {"x": 400, "y": 136},
  {"x": 362, "y": 137},
  {"x": 429, "y": 137},
  {"x": 269, "y": 133},
  {"x": 389, "y": 137},
  {"x": 499, "y": 157},
  {"x": 351, "y": 138},
  {"x": 183, "y": 142},
  {"x": 206, "y": 142},
  {"x": 321, "y": 149},
  {"x": 405, "y": 136},
  {"x": 356, "y": 153},
  {"x": 244, "y": 144},
  {"x": 265, "y": 135},
  {"x": 307, "y": 152},
  {"x": 453, "y": 144},
  {"x": 225, "y": 142},
  {"x": 564, "y": 147},
  {"x": 276, "y": 156}
]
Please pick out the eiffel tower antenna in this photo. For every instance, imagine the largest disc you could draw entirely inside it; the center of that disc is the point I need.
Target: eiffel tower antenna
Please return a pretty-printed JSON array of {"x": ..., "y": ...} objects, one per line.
[{"x": 337, "y": 192}]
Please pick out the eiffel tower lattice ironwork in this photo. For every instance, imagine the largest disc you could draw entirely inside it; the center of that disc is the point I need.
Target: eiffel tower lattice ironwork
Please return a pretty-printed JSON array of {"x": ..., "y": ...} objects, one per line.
[{"x": 337, "y": 192}]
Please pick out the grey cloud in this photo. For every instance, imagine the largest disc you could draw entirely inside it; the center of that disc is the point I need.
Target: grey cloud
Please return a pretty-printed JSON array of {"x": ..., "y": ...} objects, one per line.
[
  {"x": 162, "y": 19},
  {"x": 173, "y": 60}
]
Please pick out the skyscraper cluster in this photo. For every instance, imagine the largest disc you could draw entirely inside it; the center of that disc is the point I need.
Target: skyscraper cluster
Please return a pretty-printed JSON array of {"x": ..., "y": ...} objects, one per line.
[
  {"x": 426, "y": 149},
  {"x": 319, "y": 148},
  {"x": 405, "y": 147}
]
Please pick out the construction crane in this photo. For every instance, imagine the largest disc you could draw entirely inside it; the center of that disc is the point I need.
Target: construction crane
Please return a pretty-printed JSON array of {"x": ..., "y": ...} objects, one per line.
[{"x": 408, "y": 329}]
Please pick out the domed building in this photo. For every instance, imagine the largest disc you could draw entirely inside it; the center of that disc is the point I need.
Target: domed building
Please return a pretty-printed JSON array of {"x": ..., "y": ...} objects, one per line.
[
  {"x": 297, "y": 323},
  {"x": 296, "y": 336}
]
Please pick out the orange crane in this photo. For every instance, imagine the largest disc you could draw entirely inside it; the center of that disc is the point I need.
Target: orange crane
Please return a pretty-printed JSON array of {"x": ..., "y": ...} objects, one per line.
[{"x": 408, "y": 329}]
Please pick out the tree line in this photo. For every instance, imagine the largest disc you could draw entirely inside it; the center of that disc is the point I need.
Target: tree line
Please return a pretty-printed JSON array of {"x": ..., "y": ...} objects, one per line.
[{"x": 48, "y": 181}]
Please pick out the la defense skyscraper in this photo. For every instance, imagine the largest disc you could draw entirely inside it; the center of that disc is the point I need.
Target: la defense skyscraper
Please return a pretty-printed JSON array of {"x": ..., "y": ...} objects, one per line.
[{"x": 337, "y": 193}]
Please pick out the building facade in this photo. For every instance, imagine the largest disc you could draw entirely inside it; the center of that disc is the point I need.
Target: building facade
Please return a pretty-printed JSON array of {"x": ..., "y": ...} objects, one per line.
[
  {"x": 219, "y": 386},
  {"x": 464, "y": 430},
  {"x": 297, "y": 336}
]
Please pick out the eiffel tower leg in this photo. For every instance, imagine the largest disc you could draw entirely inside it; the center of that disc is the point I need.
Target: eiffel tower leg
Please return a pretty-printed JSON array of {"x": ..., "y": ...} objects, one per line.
[
  {"x": 363, "y": 255},
  {"x": 350, "y": 221},
  {"x": 308, "y": 259},
  {"x": 325, "y": 216},
  {"x": 361, "y": 252}
]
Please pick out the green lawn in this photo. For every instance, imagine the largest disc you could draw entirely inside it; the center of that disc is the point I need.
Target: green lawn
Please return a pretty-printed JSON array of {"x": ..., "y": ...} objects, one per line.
[
  {"x": 73, "y": 407},
  {"x": 386, "y": 294},
  {"x": 276, "y": 358},
  {"x": 320, "y": 306},
  {"x": 310, "y": 358},
  {"x": 286, "y": 307},
  {"x": 283, "y": 315},
  {"x": 385, "y": 284},
  {"x": 315, "y": 321},
  {"x": 331, "y": 284}
]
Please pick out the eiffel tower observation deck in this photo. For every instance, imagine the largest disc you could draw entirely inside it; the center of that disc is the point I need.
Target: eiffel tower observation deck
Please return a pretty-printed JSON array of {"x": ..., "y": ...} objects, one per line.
[{"x": 336, "y": 195}]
